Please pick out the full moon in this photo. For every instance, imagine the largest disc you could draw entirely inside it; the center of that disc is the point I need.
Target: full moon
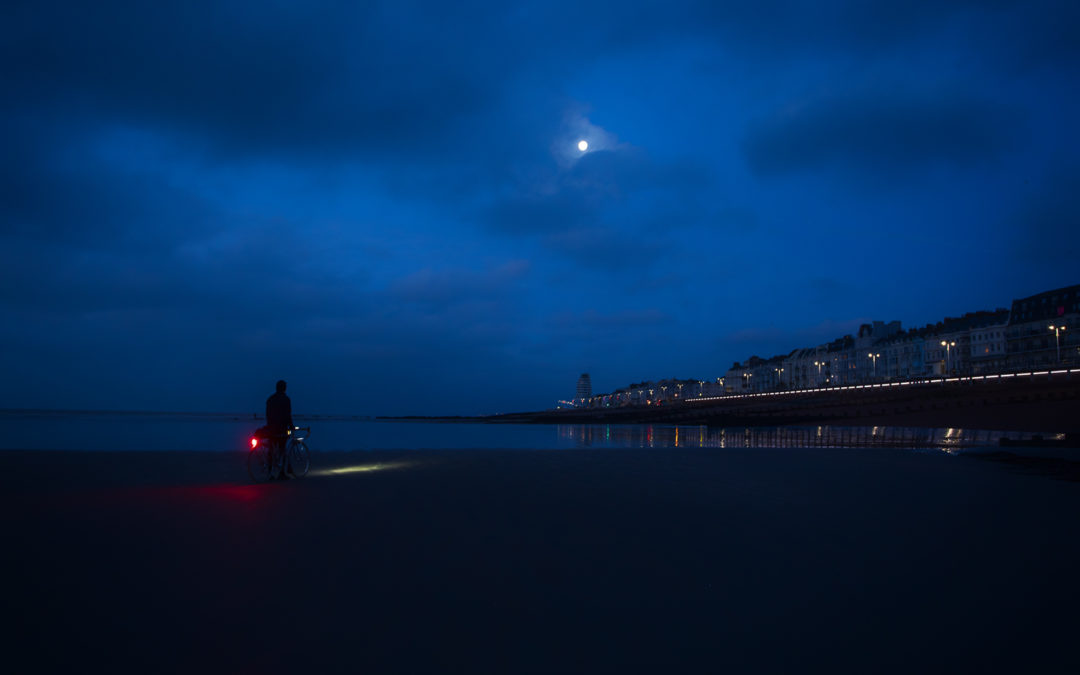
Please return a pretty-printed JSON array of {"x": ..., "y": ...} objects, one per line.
[{"x": 583, "y": 145}]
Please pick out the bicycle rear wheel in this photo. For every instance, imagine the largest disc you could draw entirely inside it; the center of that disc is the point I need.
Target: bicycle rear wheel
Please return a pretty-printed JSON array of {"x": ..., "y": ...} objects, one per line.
[
  {"x": 299, "y": 459},
  {"x": 258, "y": 463}
]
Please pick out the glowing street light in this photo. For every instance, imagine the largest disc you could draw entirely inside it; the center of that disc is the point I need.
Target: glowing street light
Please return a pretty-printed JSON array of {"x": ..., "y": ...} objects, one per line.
[
  {"x": 819, "y": 364},
  {"x": 1057, "y": 339},
  {"x": 874, "y": 358},
  {"x": 948, "y": 353},
  {"x": 779, "y": 376}
]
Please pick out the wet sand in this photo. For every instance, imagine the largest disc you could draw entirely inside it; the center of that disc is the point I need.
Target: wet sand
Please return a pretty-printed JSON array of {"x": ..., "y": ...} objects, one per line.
[{"x": 775, "y": 560}]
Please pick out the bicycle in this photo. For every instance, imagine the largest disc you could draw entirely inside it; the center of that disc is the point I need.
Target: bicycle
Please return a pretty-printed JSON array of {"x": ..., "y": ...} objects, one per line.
[{"x": 296, "y": 458}]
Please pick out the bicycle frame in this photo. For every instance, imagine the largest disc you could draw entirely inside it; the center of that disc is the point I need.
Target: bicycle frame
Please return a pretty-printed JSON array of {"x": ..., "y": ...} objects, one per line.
[{"x": 282, "y": 451}]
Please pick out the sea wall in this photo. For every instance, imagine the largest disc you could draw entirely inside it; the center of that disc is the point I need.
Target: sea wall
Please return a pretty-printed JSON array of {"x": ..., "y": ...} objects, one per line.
[{"x": 1039, "y": 404}]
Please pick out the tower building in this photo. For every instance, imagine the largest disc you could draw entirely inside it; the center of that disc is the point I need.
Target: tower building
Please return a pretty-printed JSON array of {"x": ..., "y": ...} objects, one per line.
[{"x": 584, "y": 386}]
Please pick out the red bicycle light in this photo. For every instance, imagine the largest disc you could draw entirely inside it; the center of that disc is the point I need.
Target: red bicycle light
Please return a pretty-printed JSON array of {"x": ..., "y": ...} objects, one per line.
[{"x": 254, "y": 442}]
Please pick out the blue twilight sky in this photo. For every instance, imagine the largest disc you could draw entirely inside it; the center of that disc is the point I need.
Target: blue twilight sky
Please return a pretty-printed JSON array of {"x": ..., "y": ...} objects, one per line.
[{"x": 384, "y": 203}]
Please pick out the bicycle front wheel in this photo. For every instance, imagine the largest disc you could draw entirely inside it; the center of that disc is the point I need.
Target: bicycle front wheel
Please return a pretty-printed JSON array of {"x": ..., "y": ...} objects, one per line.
[
  {"x": 299, "y": 459},
  {"x": 258, "y": 464}
]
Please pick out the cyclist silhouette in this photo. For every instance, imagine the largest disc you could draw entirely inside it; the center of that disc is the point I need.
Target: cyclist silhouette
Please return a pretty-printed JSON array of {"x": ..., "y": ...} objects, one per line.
[{"x": 278, "y": 423}]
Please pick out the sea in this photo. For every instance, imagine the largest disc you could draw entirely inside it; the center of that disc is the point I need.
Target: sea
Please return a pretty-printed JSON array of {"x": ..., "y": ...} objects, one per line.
[{"x": 140, "y": 431}]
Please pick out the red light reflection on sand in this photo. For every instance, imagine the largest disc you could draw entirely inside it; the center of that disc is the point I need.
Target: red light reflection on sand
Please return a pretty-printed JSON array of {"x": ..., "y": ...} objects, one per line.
[
  {"x": 220, "y": 497},
  {"x": 236, "y": 493},
  {"x": 239, "y": 493}
]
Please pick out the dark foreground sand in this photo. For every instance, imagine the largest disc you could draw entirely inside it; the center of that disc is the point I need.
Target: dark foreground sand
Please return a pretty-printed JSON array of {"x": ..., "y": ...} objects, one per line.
[{"x": 588, "y": 561}]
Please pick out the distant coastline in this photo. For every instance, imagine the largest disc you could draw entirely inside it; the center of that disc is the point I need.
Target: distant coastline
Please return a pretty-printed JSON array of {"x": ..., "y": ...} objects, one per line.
[{"x": 61, "y": 412}]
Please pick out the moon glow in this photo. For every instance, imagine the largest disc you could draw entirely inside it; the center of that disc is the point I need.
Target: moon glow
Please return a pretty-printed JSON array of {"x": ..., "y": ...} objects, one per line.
[{"x": 583, "y": 145}]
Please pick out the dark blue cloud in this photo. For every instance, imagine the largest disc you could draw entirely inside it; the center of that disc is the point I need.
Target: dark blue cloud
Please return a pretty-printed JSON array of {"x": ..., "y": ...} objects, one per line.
[
  {"x": 609, "y": 208},
  {"x": 883, "y": 132},
  {"x": 1045, "y": 226},
  {"x": 333, "y": 80}
]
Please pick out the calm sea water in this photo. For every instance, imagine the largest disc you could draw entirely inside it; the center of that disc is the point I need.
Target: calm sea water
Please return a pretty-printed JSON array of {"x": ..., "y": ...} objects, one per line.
[{"x": 97, "y": 431}]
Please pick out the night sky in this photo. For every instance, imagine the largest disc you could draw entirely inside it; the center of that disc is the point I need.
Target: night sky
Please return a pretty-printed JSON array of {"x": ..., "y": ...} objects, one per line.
[{"x": 384, "y": 203}]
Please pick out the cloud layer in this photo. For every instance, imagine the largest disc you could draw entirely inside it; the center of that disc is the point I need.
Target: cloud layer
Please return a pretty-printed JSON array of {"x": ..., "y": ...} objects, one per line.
[{"x": 385, "y": 204}]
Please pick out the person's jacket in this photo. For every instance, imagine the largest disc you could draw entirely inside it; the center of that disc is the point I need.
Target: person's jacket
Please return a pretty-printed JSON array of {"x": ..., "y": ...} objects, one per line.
[{"x": 279, "y": 413}]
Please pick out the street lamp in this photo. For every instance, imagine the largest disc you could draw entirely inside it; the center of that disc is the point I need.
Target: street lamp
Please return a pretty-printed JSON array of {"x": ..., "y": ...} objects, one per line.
[
  {"x": 948, "y": 353},
  {"x": 1057, "y": 339},
  {"x": 779, "y": 377},
  {"x": 874, "y": 358},
  {"x": 819, "y": 364}
]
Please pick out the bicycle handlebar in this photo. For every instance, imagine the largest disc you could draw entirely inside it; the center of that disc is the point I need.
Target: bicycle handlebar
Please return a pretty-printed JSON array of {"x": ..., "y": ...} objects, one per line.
[{"x": 306, "y": 430}]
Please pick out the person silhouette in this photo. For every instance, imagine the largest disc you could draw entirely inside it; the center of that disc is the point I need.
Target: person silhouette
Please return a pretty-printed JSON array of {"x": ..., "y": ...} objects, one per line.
[{"x": 279, "y": 423}]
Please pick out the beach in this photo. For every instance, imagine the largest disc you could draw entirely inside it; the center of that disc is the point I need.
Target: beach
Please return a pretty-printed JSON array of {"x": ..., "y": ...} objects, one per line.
[{"x": 571, "y": 560}]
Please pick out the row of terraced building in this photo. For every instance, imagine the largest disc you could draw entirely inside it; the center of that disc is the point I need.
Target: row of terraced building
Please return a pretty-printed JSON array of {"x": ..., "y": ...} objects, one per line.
[{"x": 1041, "y": 331}]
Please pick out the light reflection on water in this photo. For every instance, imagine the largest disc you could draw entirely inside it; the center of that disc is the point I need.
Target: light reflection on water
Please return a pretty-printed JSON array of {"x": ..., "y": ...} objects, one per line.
[
  {"x": 96, "y": 431},
  {"x": 652, "y": 436}
]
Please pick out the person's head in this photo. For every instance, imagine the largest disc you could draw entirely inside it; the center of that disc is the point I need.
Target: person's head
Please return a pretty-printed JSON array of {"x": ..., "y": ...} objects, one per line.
[{"x": 281, "y": 385}]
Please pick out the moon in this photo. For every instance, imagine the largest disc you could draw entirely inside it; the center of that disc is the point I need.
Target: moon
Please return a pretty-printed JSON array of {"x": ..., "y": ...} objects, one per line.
[{"x": 583, "y": 145}]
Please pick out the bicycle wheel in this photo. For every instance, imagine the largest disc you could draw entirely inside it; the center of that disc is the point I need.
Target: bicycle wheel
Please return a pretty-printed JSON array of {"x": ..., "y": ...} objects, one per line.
[
  {"x": 259, "y": 464},
  {"x": 299, "y": 458}
]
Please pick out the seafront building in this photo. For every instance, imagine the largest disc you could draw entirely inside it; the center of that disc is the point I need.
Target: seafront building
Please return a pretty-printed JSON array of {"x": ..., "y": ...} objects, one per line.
[
  {"x": 584, "y": 386},
  {"x": 1042, "y": 330},
  {"x": 988, "y": 347},
  {"x": 1038, "y": 332},
  {"x": 584, "y": 389}
]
